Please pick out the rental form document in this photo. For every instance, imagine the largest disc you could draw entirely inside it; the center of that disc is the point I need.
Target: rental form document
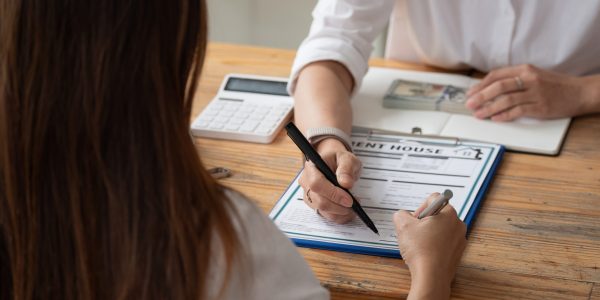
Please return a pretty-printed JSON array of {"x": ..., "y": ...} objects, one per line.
[{"x": 398, "y": 173}]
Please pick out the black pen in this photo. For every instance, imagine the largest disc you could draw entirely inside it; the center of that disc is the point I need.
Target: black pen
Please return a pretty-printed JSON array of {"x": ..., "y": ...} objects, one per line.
[{"x": 311, "y": 154}]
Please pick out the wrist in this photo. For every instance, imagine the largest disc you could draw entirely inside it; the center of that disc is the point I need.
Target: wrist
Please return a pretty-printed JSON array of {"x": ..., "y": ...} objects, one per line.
[
  {"x": 428, "y": 290},
  {"x": 429, "y": 282},
  {"x": 317, "y": 134},
  {"x": 330, "y": 144},
  {"x": 590, "y": 94}
]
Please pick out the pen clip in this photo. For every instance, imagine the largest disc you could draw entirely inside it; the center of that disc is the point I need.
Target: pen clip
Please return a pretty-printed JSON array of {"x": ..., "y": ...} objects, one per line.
[{"x": 437, "y": 211}]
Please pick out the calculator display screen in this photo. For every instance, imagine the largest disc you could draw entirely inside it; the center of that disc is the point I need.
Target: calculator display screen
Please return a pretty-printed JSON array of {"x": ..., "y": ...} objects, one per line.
[{"x": 258, "y": 86}]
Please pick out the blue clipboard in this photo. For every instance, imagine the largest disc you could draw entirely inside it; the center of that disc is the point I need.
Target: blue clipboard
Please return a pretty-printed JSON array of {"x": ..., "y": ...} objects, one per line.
[{"x": 341, "y": 247}]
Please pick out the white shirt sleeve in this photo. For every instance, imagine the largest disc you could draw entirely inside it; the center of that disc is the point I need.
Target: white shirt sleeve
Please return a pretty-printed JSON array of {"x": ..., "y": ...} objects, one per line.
[
  {"x": 272, "y": 267},
  {"x": 343, "y": 31}
]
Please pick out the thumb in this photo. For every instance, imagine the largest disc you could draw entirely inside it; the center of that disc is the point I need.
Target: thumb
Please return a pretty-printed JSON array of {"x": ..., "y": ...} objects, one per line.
[{"x": 347, "y": 169}]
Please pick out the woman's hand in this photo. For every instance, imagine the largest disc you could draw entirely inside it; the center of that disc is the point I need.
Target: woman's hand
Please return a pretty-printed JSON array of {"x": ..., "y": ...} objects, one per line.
[
  {"x": 526, "y": 91},
  {"x": 321, "y": 195},
  {"x": 432, "y": 248}
]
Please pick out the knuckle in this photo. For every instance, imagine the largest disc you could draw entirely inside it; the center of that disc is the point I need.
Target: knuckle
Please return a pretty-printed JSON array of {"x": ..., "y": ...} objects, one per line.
[
  {"x": 339, "y": 219},
  {"x": 486, "y": 110},
  {"x": 302, "y": 179},
  {"x": 503, "y": 85},
  {"x": 510, "y": 100},
  {"x": 347, "y": 218},
  {"x": 452, "y": 212},
  {"x": 500, "y": 117},
  {"x": 357, "y": 169},
  {"x": 479, "y": 98},
  {"x": 518, "y": 111},
  {"x": 353, "y": 158},
  {"x": 400, "y": 224},
  {"x": 528, "y": 68},
  {"x": 322, "y": 205},
  {"x": 313, "y": 180},
  {"x": 334, "y": 194}
]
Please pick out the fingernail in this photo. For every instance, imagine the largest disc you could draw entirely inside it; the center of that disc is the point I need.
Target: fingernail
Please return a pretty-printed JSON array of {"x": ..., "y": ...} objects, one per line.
[
  {"x": 347, "y": 202},
  {"x": 471, "y": 103}
]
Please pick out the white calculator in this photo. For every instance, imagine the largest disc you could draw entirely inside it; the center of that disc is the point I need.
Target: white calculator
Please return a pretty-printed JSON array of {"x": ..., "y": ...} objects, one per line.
[{"x": 247, "y": 108}]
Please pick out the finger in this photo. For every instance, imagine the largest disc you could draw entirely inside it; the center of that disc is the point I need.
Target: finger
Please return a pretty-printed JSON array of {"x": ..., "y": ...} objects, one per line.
[
  {"x": 339, "y": 219},
  {"x": 326, "y": 205},
  {"x": 348, "y": 167},
  {"x": 495, "y": 75},
  {"x": 426, "y": 203},
  {"x": 501, "y": 104},
  {"x": 448, "y": 212},
  {"x": 318, "y": 184},
  {"x": 402, "y": 219},
  {"x": 308, "y": 202},
  {"x": 513, "y": 113},
  {"x": 492, "y": 92}
]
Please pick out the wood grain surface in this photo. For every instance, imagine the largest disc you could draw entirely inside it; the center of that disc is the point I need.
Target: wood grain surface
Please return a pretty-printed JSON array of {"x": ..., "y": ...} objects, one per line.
[
  {"x": 537, "y": 235},
  {"x": 595, "y": 295}
]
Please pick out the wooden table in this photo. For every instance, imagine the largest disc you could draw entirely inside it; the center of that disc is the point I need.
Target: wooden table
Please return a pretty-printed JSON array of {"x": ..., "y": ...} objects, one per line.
[{"x": 537, "y": 235}]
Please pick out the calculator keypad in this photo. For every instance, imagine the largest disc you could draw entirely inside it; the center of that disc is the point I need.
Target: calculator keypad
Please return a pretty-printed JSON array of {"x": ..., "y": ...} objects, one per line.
[{"x": 238, "y": 116}]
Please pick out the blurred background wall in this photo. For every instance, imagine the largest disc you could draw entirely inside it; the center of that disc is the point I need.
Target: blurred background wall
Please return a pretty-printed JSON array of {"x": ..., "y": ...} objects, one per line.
[{"x": 269, "y": 23}]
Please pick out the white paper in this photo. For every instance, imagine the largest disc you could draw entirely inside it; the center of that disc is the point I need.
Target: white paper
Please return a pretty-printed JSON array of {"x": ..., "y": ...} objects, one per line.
[
  {"x": 528, "y": 135},
  {"x": 397, "y": 174}
]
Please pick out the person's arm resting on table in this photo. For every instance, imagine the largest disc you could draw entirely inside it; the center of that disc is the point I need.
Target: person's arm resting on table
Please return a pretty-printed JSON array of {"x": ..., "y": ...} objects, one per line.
[
  {"x": 328, "y": 68},
  {"x": 324, "y": 89}
]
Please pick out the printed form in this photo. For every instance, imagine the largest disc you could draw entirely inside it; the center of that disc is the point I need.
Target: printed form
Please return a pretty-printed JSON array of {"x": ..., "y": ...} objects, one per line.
[{"x": 398, "y": 173}]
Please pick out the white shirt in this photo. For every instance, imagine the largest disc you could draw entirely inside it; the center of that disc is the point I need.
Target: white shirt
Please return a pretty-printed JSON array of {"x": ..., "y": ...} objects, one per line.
[
  {"x": 456, "y": 34},
  {"x": 272, "y": 267}
]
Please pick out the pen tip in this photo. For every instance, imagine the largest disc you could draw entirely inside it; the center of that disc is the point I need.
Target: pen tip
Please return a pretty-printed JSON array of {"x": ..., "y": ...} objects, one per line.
[{"x": 374, "y": 229}]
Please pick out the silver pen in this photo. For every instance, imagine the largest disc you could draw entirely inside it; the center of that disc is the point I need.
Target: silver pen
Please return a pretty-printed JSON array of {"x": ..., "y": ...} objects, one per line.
[{"x": 436, "y": 205}]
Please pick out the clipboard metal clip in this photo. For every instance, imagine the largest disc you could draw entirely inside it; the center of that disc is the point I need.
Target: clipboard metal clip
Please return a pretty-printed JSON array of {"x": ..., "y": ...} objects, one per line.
[{"x": 395, "y": 136}]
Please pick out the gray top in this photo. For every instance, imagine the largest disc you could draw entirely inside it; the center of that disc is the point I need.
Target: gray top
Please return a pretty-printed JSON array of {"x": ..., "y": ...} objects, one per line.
[{"x": 271, "y": 267}]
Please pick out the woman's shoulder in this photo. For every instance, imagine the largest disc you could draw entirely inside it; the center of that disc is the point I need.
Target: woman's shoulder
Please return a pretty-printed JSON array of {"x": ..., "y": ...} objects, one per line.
[{"x": 272, "y": 266}]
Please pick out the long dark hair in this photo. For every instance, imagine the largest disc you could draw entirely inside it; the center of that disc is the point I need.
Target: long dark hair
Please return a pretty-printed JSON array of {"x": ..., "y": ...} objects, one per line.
[{"x": 102, "y": 194}]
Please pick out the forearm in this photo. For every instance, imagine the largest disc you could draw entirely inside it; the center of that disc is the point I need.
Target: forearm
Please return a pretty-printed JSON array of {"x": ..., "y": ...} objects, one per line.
[
  {"x": 591, "y": 94},
  {"x": 322, "y": 96}
]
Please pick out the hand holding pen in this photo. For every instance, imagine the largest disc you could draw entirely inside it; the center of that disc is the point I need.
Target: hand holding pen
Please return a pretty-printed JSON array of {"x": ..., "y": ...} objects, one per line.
[
  {"x": 432, "y": 245},
  {"x": 314, "y": 157},
  {"x": 332, "y": 202}
]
